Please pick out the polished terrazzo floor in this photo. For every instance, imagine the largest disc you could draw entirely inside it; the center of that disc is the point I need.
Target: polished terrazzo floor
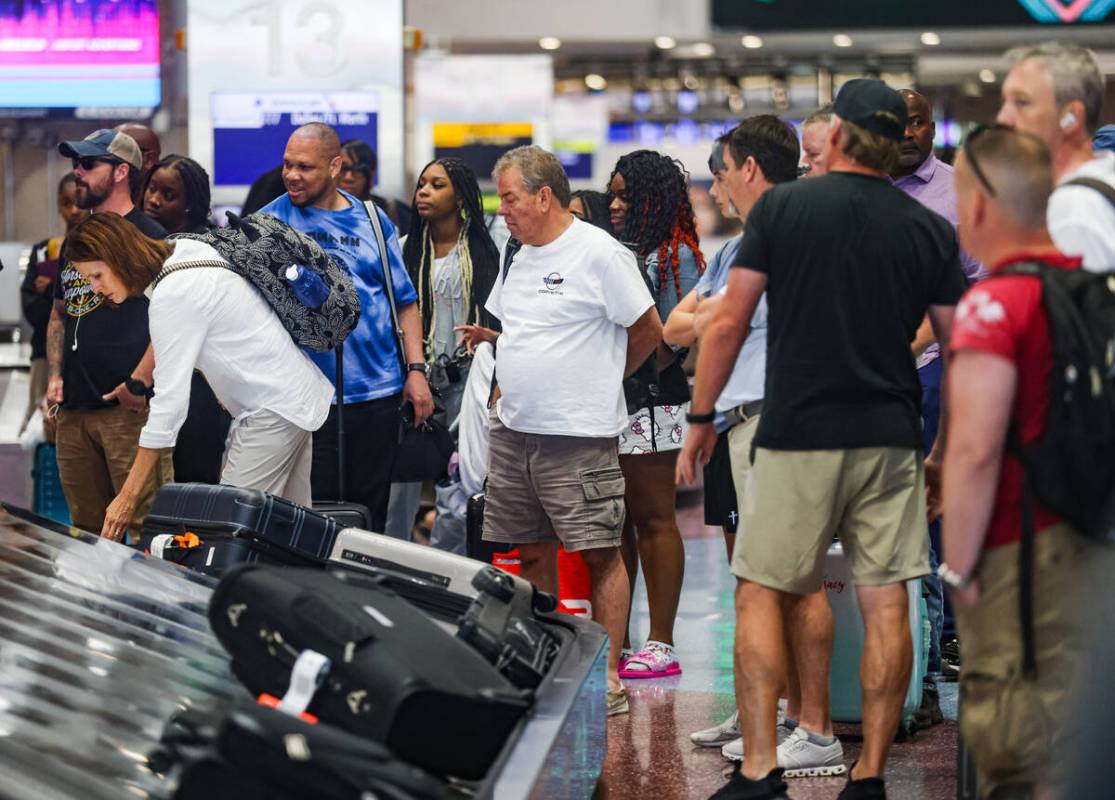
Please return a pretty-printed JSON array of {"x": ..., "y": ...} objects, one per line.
[{"x": 649, "y": 752}]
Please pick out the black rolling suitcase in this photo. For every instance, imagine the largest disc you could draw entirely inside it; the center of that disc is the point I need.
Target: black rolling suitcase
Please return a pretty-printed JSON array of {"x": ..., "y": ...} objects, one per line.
[
  {"x": 211, "y": 528},
  {"x": 358, "y": 656},
  {"x": 349, "y": 515},
  {"x": 256, "y": 753}
]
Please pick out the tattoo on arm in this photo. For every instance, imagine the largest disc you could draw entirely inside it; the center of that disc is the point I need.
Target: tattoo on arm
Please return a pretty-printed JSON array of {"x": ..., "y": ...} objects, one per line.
[{"x": 55, "y": 338}]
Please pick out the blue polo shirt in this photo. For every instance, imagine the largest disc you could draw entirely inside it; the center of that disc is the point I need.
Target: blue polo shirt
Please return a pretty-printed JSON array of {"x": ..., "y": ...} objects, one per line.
[{"x": 372, "y": 368}]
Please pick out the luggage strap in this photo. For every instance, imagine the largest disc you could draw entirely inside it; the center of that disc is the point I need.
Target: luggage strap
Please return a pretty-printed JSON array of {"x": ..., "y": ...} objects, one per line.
[
  {"x": 306, "y": 677},
  {"x": 181, "y": 265}
]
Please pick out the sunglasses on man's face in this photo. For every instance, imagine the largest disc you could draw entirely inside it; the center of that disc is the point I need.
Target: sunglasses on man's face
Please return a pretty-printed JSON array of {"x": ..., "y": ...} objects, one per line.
[
  {"x": 88, "y": 163},
  {"x": 969, "y": 152}
]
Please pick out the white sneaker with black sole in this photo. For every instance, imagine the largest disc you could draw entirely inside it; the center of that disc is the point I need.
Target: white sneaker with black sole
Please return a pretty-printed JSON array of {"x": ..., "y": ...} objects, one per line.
[
  {"x": 733, "y": 750},
  {"x": 800, "y": 757}
]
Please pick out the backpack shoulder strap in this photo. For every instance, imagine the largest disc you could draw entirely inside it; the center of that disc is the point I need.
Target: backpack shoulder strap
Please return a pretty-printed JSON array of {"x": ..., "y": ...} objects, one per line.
[
  {"x": 181, "y": 265},
  {"x": 1103, "y": 187}
]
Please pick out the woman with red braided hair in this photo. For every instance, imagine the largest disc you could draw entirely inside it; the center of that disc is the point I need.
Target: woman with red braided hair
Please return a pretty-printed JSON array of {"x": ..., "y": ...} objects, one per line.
[{"x": 651, "y": 214}]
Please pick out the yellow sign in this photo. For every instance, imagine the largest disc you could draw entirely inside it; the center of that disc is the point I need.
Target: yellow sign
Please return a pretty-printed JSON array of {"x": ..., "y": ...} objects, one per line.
[{"x": 463, "y": 134}]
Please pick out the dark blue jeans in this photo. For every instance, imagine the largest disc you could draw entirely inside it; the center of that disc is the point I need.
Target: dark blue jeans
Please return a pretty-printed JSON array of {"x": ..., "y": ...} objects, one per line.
[{"x": 941, "y": 621}]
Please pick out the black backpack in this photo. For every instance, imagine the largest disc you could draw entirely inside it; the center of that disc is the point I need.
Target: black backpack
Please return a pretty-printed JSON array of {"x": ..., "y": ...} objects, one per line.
[
  {"x": 260, "y": 247},
  {"x": 1070, "y": 469}
]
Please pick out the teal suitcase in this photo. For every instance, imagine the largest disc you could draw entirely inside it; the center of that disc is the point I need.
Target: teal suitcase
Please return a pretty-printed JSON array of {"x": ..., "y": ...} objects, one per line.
[{"x": 844, "y": 680}]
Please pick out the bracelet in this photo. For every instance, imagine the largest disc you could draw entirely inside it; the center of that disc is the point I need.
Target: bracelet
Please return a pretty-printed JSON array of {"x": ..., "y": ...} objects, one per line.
[
  {"x": 700, "y": 419},
  {"x": 952, "y": 577}
]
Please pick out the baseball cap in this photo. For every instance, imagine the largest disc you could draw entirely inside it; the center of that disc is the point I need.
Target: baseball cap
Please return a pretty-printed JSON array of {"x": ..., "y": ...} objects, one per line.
[
  {"x": 1104, "y": 139},
  {"x": 860, "y": 102},
  {"x": 105, "y": 142}
]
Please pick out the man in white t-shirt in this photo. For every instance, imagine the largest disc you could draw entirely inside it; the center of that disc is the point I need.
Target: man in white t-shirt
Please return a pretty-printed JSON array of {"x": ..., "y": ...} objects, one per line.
[
  {"x": 577, "y": 317},
  {"x": 1055, "y": 91}
]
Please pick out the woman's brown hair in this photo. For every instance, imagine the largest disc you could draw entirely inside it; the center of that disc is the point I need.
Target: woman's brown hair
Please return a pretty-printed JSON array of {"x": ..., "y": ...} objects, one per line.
[{"x": 135, "y": 258}]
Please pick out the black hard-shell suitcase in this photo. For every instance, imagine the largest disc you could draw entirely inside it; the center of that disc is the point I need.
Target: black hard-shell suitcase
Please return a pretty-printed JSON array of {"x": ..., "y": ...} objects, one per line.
[
  {"x": 233, "y": 525},
  {"x": 393, "y": 675},
  {"x": 256, "y": 753}
]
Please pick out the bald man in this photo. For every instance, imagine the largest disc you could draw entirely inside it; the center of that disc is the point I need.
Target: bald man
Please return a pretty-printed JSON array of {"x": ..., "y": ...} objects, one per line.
[
  {"x": 929, "y": 181},
  {"x": 147, "y": 140},
  {"x": 1000, "y": 366},
  {"x": 376, "y": 383}
]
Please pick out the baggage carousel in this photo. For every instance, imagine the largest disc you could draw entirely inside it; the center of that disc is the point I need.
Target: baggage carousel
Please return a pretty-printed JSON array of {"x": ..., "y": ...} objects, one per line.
[{"x": 100, "y": 645}]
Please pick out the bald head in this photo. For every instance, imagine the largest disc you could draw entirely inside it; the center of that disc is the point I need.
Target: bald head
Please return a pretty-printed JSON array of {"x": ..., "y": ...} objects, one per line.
[
  {"x": 324, "y": 135},
  {"x": 917, "y": 145},
  {"x": 147, "y": 140}
]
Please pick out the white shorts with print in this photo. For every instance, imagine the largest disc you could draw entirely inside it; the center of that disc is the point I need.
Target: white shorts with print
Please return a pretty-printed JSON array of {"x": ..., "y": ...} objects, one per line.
[{"x": 658, "y": 429}]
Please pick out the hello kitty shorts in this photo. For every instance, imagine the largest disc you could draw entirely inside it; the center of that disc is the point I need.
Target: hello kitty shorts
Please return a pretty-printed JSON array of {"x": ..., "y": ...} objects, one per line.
[{"x": 656, "y": 429}]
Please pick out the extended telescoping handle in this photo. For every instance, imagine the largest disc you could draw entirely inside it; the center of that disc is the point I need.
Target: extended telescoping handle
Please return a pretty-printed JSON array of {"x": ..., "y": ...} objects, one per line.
[{"x": 341, "y": 423}]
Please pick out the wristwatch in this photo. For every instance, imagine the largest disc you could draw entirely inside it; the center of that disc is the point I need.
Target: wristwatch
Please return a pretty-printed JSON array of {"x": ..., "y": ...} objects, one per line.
[
  {"x": 700, "y": 419},
  {"x": 953, "y": 578},
  {"x": 417, "y": 366},
  {"x": 139, "y": 388}
]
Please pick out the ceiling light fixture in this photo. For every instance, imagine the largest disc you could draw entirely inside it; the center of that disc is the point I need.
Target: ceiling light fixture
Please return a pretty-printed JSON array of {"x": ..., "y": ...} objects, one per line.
[
  {"x": 665, "y": 42},
  {"x": 549, "y": 43},
  {"x": 703, "y": 50},
  {"x": 751, "y": 42},
  {"x": 930, "y": 39},
  {"x": 596, "y": 82},
  {"x": 987, "y": 76},
  {"x": 842, "y": 40}
]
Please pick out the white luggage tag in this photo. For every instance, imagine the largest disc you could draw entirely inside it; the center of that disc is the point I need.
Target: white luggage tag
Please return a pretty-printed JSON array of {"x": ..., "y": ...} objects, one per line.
[{"x": 310, "y": 669}]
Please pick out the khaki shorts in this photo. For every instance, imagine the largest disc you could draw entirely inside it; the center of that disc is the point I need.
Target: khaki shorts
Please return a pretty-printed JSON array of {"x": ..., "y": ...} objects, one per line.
[
  {"x": 795, "y": 502},
  {"x": 1013, "y": 726},
  {"x": 542, "y": 488},
  {"x": 739, "y": 453}
]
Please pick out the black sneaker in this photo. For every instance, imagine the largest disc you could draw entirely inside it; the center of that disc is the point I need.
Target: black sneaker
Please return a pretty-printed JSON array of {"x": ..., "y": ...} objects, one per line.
[
  {"x": 740, "y": 788},
  {"x": 863, "y": 789},
  {"x": 950, "y": 658},
  {"x": 929, "y": 714}
]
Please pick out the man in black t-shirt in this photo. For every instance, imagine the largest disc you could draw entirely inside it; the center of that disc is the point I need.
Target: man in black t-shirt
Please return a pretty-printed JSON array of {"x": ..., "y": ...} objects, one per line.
[
  {"x": 99, "y": 353},
  {"x": 850, "y": 265}
]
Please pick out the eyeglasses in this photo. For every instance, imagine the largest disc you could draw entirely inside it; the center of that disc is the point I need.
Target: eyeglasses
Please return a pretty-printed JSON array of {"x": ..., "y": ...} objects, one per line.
[
  {"x": 88, "y": 163},
  {"x": 970, "y": 154}
]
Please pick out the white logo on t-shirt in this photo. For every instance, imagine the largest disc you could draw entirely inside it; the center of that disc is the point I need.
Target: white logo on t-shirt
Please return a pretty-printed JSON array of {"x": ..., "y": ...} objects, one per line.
[{"x": 979, "y": 308}]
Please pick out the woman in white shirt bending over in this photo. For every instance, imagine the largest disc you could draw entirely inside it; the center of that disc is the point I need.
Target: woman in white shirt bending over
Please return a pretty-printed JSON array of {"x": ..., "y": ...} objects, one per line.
[{"x": 211, "y": 319}]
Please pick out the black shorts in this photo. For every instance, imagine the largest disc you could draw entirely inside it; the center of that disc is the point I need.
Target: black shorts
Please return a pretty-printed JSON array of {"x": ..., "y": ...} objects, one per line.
[{"x": 721, "y": 506}]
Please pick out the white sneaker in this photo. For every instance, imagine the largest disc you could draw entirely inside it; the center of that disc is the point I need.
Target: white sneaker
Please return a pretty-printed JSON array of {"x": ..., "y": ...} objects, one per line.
[
  {"x": 733, "y": 750},
  {"x": 799, "y": 757},
  {"x": 717, "y": 735}
]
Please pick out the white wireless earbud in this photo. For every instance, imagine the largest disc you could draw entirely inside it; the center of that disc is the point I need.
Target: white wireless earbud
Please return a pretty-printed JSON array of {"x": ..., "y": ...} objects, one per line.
[{"x": 1068, "y": 119}]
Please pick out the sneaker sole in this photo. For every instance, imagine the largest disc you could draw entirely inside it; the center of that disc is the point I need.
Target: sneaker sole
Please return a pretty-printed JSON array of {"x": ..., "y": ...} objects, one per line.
[
  {"x": 731, "y": 758},
  {"x": 713, "y": 742},
  {"x": 815, "y": 772}
]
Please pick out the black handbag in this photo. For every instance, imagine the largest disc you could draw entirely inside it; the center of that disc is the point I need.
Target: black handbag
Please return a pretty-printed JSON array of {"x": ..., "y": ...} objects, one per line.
[{"x": 424, "y": 451}]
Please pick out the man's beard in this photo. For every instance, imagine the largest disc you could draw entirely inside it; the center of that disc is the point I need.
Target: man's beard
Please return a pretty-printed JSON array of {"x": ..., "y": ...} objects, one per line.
[{"x": 90, "y": 197}]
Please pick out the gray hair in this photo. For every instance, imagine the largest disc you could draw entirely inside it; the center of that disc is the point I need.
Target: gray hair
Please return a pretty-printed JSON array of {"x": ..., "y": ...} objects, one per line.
[
  {"x": 539, "y": 168},
  {"x": 1075, "y": 72},
  {"x": 823, "y": 114}
]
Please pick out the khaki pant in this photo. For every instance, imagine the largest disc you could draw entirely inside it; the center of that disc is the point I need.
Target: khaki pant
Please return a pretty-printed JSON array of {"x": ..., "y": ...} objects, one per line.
[
  {"x": 1013, "y": 725},
  {"x": 269, "y": 453},
  {"x": 96, "y": 450}
]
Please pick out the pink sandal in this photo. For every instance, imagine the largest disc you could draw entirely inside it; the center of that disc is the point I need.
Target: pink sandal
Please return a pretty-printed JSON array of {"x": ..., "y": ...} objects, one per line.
[{"x": 655, "y": 660}]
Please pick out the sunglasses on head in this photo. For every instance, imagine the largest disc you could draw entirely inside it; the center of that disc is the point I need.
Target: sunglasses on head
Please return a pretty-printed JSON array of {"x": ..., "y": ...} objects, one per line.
[
  {"x": 970, "y": 154},
  {"x": 88, "y": 163}
]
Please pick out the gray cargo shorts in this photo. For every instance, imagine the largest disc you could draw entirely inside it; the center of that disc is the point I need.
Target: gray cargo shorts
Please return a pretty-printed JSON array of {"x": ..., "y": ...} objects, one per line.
[{"x": 544, "y": 487}]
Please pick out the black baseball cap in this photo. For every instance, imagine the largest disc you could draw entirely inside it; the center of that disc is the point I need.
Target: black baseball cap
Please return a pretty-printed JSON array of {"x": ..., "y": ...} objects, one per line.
[{"x": 860, "y": 102}]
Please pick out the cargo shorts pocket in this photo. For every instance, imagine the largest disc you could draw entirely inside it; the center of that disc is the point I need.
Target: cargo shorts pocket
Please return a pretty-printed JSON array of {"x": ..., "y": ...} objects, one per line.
[
  {"x": 602, "y": 507},
  {"x": 1006, "y": 721}
]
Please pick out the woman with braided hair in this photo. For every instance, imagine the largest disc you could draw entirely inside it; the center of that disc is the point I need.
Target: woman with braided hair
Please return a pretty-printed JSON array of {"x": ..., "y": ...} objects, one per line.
[
  {"x": 651, "y": 214},
  {"x": 177, "y": 195},
  {"x": 453, "y": 264}
]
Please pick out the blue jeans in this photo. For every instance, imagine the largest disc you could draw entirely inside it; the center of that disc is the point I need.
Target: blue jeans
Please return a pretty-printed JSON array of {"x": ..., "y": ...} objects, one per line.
[{"x": 941, "y": 621}]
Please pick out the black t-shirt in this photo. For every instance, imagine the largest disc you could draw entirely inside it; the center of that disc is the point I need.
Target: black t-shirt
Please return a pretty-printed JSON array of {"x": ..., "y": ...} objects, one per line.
[
  {"x": 852, "y": 265},
  {"x": 104, "y": 342}
]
